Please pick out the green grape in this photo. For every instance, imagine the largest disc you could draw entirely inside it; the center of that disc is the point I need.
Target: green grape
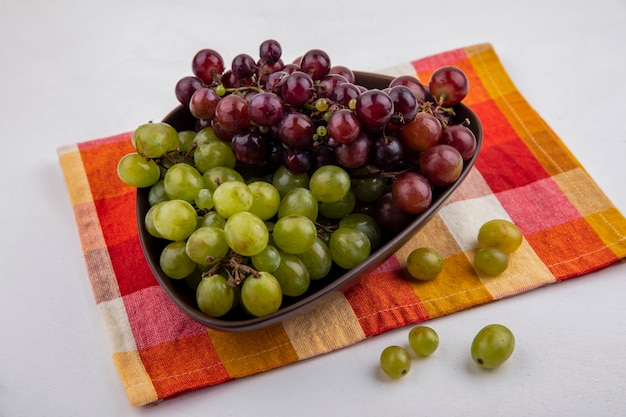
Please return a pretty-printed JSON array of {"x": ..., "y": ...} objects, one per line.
[
  {"x": 204, "y": 199},
  {"x": 267, "y": 260},
  {"x": 219, "y": 175},
  {"x": 137, "y": 171},
  {"x": 368, "y": 189},
  {"x": 395, "y": 361},
  {"x": 246, "y": 233},
  {"x": 193, "y": 280},
  {"x": 153, "y": 140},
  {"x": 492, "y": 346},
  {"x": 185, "y": 139},
  {"x": 214, "y": 154},
  {"x": 294, "y": 233},
  {"x": 349, "y": 247},
  {"x": 299, "y": 201},
  {"x": 317, "y": 260},
  {"x": 207, "y": 242},
  {"x": 285, "y": 180},
  {"x": 424, "y": 263},
  {"x": 205, "y": 135},
  {"x": 212, "y": 218},
  {"x": 292, "y": 274},
  {"x": 175, "y": 220},
  {"x": 340, "y": 208},
  {"x": 266, "y": 199},
  {"x": 423, "y": 340},
  {"x": 491, "y": 261},
  {"x": 232, "y": 197},
  {"x": 175, "y": 262},
  {"x": 182, "y": 181},
  {"x": 500, "y": 234},
  {"x": 329, "y": 183},
  {"x": 364, "y": 223},
  {"x": 261, "y": 295},
  {"x": 149, "y": 221},
  {"x": 214, "y": 296},
  {"x": 157, "y": 193}
]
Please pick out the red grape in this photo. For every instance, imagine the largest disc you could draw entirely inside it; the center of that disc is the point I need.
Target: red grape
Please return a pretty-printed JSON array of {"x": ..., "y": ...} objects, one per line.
[
  {"x": 232, "y": 112},
  {"x": 422, "y": 133},
  {"x": 412, "y": 192},
  {"x": 374, "y": 108},
  {"x": 441, "y": 165},
  {"x": 343, "y": 126},
  {"x": 448, "y": 85},
  {"x": 206, "y": 64},
  {"x": 461, "y": 138}
]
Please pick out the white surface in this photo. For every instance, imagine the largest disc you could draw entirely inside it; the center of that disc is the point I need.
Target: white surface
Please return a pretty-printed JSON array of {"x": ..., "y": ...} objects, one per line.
[{"x": 75, "y": 70}]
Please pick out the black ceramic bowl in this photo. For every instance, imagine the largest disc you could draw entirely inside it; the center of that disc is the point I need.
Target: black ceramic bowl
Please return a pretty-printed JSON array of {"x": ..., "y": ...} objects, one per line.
[{"x": 338, "y": 280}]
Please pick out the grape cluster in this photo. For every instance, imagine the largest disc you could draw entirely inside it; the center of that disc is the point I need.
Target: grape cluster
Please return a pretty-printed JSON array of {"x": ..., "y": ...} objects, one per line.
[{"x": 292, "y": 169}]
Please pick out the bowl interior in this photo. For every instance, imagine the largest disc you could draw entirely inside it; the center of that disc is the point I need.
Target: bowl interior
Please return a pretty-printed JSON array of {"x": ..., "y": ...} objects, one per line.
[{"x": 337, "y": 280}]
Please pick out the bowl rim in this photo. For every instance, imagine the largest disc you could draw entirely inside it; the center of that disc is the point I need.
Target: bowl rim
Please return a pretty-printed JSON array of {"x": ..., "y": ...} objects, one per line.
[{"x": 341, "y": 283}]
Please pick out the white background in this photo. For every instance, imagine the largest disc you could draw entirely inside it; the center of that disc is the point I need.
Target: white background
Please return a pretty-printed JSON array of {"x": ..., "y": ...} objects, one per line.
[{"x": 77, "y": 70}]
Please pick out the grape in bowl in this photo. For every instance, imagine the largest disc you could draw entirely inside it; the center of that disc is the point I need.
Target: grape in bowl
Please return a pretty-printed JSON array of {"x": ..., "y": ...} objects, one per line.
[{"x": 395, "y": 229}]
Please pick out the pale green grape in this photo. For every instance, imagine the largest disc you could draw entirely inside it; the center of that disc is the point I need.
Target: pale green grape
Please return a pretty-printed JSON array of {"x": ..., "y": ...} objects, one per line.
[
  {"x": 212, "y": 218},
  {"x": 157, "y": 193},
  {"x": 395, "y": 361},
  {"x": 500, "y": 234},
  {"x": 491, "y": 261},
  {"x": 364, "y": 223},
  {"x": 317, "y": 260},
  {"x": 185, "y": 138},
  {"x": 424, "y": 263},
  {"x": 219, "y": 175},
  {"x": 294, "y": 233},
  {"x": 149, "y": 221},
  {"x": 340, "y": 208},
  {"x": 232, "y": 197},
  {"x": 175, "y": 262},
  {"x": 292, "y": 274},
  {"x": 205, "y": 135},
  {"x": 175, "y": 220},
  {"x": 137, "y": 171},
  {"x": 266, "y": 199},
  {"x": 267, "y": 260},
  {"x": 204, "y": 199},
  {"x": 423, "y": 340},
  {"x": 207, "y": 242},
  {"x": 246, "y": 233},
  {"x": 285, "y": 180},
  {"x": 182, "y": 181},
  {"x": 349, "y": 247},
  {"x": 214, "y": 296},
  {"x": 329, "y": 183},
  {"x": 214, "y": 154},
  {"x": 153, "y": 140},
  {"x": 261, "y": 295},
  {"x": 492, "y": 346},
  {"x": 299, "y": 201}
]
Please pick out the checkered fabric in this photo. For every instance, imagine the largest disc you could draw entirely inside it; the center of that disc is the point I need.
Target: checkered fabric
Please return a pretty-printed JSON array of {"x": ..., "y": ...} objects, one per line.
[{"x": 524, "y": 173}]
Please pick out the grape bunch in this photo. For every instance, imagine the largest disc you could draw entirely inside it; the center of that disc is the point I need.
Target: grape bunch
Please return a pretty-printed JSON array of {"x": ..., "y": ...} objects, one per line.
[{"x": 291, "y": 169}]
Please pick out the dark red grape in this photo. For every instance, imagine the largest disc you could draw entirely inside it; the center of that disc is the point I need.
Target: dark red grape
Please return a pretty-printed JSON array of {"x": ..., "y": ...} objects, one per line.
[
  {"x": 386, "y": 152},
  {"x": 405, "y": 104},
  {"x": 374, "y": 108},
  {"x": 250, "y": 146},
  {"x": 344, "y": 93},
  {"x": 297, "y": 160},
  {"x": 448, "y": 85},
  {"x": 232, "y": 112},
  {"x": 206, "y": 64},
  {"x": 297, "y": 88},
  {"x": 441, "y": 165},
  {"x": 323, "y": 155},
  {"x": 461, "y": 138},
  {"x": 296, "y": 130},
  {"x": 411, "y": 82},
  {"x": 265, "y": 109},
  {"x": 315, "y": 63},
  {"x": 411, "y": 192},
  {"x": 389, "y": 216},
  {"x": 344, "y": 71},
  {"x": 327, "y": 85},
  {"x": 185, "y": 87},
  {"x": 243, "y": 66},
  {"x": 343, "y": 126},
  {"x": 354, "y": 154},
  {"x": 270, "y": 51},
  {"x": 422, "y": 133}
]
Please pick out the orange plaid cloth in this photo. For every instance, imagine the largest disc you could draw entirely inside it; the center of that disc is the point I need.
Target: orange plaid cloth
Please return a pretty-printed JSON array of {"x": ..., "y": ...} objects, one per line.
[{"x": 524, "y": 173}]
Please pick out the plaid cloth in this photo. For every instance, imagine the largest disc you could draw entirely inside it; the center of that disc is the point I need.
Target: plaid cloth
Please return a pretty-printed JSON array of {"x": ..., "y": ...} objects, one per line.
[{"x": 524, "y": 174}]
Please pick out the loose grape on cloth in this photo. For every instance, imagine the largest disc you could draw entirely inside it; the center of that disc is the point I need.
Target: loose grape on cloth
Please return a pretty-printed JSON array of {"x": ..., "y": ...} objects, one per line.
[{"x": 524, "y": 173}]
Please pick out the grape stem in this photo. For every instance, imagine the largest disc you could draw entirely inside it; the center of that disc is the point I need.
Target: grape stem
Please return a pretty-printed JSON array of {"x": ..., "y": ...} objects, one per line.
[{"x": 233, "y": 266}]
